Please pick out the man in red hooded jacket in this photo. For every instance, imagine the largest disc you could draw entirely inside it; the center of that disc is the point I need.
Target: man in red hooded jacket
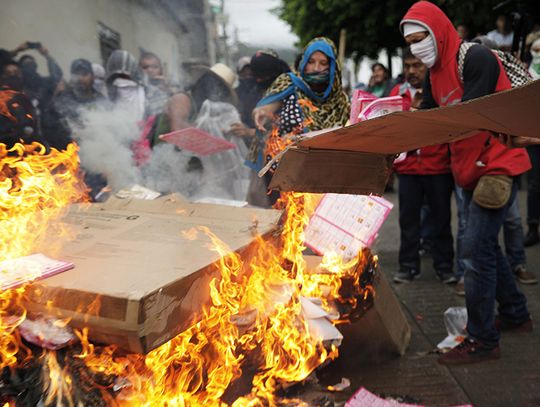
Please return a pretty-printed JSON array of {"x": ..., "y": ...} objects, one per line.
[{"x": 483, "y": 158}]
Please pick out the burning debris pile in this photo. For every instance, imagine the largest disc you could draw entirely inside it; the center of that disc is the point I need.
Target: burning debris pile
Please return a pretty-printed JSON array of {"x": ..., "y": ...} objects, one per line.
[{"x": 250, "y": 344}]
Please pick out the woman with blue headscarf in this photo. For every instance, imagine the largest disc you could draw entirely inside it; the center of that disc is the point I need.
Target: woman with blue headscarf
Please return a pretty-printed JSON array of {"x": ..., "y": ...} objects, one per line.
[{"x": 307, "y": 100}]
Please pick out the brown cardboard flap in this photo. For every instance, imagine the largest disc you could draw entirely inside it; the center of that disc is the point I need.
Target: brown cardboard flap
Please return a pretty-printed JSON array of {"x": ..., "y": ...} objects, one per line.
[
  {"x": 303, "y": 170},
  {"x": 350, "y": 159},
  {"x": 511, "y": 112}
]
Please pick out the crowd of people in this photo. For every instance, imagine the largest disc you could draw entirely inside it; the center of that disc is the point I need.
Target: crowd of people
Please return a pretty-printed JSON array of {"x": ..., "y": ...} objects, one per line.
[{"x": 276, "y": 103}]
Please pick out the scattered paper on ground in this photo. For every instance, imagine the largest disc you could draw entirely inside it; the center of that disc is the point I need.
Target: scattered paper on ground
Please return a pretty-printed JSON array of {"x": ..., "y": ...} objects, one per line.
[
  {"x": 138, "y": 192},
  {"x": 364, "y": 398},
  {"x": 346, "y": 223}
]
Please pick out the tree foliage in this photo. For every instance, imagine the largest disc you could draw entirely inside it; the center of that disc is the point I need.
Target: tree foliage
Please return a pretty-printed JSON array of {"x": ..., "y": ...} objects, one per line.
[{"x": 372, "y": 25}]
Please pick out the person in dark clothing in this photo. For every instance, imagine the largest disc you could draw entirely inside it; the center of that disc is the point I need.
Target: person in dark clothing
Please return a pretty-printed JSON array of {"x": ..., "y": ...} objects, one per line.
[
  {"x": 246, "y": 91},
  {"x": 17, "y": 115},
  {"x": 66, "y": 108},
  {"x": 475, "y": 160},
  {"x": 80, "y": 93},
  {"x": 39, "y": 89},
  {"x": 425, "y": 179},
  {"x": 265, "y": 67}
]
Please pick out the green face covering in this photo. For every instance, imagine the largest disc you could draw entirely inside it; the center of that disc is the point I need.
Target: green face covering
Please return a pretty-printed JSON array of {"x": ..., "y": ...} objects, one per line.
[{"x": 317, "y": 78}]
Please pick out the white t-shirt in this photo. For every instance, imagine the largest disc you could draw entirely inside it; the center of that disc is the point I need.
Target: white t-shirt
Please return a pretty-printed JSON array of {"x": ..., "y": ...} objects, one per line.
[{"x": 501, "y": 39}]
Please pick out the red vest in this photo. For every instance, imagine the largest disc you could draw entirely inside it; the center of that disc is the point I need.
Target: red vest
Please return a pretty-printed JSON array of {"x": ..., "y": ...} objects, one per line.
[{"x": 431, "y": 160}]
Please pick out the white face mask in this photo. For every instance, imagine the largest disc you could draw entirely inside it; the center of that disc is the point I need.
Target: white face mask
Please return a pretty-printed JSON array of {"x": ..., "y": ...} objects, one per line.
[
  {"x": 425, "y": 51},
  {"x": 535, "y": 57}
]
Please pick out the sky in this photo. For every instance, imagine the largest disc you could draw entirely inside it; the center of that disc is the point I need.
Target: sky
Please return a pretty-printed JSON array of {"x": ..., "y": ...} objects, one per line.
[{"x": 257, "y": 25}]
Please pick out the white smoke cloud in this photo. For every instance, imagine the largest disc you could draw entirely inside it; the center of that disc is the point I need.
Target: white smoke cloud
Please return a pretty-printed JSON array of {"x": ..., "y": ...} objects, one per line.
[{"x": 105, "y": 138}]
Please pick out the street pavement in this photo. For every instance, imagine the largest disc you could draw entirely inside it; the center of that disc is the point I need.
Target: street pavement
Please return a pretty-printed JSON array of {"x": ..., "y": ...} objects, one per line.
[{"x": 416, "y": 377}]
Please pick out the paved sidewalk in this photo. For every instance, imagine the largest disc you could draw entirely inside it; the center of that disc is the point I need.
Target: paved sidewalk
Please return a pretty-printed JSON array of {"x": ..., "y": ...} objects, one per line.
[{"x": 514, "y": 380}]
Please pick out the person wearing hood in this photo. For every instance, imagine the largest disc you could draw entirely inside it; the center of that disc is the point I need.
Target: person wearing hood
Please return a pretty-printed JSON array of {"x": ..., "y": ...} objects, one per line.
[
  {"x": 264, "y": 67},
  {"x": 124, "y": 83},
  {"x": 486, "y": 169},
  {"x": 99, "y": 78},
  {"x": 307, "y": 100}
]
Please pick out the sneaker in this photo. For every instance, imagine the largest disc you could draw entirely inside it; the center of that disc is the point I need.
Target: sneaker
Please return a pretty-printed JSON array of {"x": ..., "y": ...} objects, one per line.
[
  {"x": 524, "y": 276},
  {"x": 406, "y": 276},
  {"x": 505, "y": 325},
  {"x": 532, "y": 237},
  {"x": 446, "y": 276},
  {"x": 459, "y": 289},
  {"x": 469, "y": 351}
]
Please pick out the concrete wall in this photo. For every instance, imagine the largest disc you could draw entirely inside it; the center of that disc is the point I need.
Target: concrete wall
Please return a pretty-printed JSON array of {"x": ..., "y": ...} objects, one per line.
[{"x": 68, "y": 28}]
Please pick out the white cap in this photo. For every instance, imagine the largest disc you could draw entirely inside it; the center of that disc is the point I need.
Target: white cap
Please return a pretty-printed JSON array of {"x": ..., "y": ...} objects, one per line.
[{"x": 412, "y": 28}]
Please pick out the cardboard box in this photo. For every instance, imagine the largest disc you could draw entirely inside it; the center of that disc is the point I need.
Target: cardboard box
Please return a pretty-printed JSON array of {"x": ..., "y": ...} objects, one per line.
[
  {"x": 381, "y": 333},
  {"x": 350, "y": 159},
  {"x": 140, "y": 278}
]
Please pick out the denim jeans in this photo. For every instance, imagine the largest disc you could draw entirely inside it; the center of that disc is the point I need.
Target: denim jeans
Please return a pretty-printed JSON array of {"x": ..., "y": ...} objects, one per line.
[
  {"x": 436, "y": 191},
  {"x": 512, "y": 231},
  {"x": 462, "y": 222},
  {"x": 533, "y": 192},
  {"x": 488, "y": 276},
  {"x": 513, "y": 236}
]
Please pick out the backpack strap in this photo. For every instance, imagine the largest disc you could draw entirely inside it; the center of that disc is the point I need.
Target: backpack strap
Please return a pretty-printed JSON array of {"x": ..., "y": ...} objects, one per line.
[{"x": 463, "y": 49}]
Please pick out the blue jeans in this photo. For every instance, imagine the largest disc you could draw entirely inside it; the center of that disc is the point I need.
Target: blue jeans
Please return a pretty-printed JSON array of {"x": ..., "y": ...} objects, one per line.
[
  {"x": 488, "y": 276},
  {"x": 462, "y": 223},
  {"x": 512, "y": 231},
  {"x": 513, "y": 236}
]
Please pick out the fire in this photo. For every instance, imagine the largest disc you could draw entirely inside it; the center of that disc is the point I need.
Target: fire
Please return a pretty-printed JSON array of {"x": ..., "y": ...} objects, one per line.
[
  {"x": 254, "y": 331},
  {"x": 251, "y": 341}
]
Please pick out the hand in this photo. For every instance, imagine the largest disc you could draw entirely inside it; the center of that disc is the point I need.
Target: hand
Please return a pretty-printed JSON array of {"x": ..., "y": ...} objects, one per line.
[
  {"x": 20, "y": 48},
  {"x": 263, "y": 114},
  {"x": 43, "y": 51},
  {"x": 516, "y": 141},
  {"x": 240, "y": 130}
]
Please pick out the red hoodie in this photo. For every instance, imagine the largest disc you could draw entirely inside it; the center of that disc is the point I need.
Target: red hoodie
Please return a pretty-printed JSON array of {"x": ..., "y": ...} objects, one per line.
[
  {"x": 480, "y": 154},
  {"x": 430, "y": 160}
]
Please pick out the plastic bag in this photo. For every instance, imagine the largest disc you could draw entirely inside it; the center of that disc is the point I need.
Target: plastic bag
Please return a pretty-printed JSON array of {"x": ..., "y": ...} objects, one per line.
[
  {"x": 455, "y": 320},
  {"x": 225, "y": 175}
]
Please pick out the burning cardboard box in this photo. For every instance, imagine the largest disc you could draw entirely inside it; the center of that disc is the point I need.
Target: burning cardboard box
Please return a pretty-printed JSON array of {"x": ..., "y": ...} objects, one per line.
[{"x": 143, "y": 268}]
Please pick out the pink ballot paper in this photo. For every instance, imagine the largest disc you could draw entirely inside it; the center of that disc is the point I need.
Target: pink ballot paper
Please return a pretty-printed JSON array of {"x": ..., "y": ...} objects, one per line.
[
  {"x": 197, "y": 141},
  {"x": 16, "y": 272},
  {"x": 364, "y": 398},
  {"x": 346, "y": 223}
]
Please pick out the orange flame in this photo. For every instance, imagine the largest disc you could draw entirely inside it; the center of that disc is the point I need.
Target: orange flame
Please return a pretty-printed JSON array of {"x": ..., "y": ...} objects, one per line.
[
  {"x": 34, "y": 189},
  {"x": 253, "y": 331}
]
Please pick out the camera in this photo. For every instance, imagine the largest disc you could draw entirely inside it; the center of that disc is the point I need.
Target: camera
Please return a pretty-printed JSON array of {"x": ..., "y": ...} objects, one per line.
[{"x": 34, "y": 45}]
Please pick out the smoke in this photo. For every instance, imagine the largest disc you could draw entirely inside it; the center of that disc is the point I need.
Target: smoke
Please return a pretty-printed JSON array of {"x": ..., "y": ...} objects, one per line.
[
  {"x": 106, "y": 138},
  {"x": 166, "y": 172}
]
